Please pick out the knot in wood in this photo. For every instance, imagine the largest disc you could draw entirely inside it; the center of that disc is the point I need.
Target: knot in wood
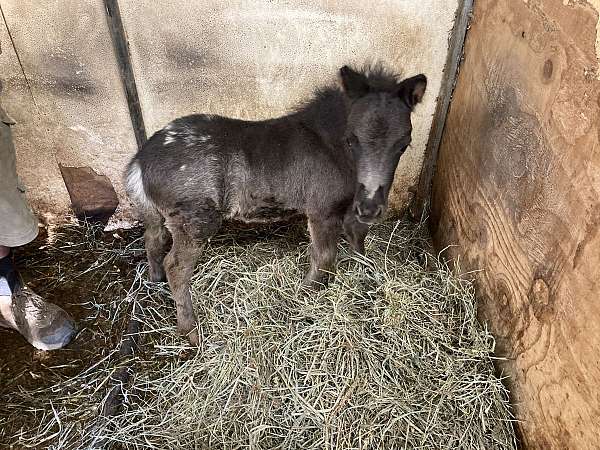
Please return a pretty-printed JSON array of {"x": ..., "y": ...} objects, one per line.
[{"x": 540, "y": 291}]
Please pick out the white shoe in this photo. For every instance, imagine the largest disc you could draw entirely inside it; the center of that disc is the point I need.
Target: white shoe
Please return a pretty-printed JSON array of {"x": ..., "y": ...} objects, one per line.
[{"x": 45, "y": 325}]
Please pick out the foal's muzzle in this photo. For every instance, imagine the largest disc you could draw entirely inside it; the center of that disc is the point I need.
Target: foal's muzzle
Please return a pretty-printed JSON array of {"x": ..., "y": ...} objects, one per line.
[
  {"x": 368, "y": 215},
  {"x": 369, "y": 210}
]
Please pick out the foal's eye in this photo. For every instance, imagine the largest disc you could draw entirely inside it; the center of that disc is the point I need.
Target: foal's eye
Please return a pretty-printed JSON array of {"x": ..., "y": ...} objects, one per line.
[{"x": 351, "y": 140}]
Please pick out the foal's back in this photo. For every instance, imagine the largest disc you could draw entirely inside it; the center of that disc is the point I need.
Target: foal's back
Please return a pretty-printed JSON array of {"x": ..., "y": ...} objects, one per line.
[{"x": 254, "y": 171}]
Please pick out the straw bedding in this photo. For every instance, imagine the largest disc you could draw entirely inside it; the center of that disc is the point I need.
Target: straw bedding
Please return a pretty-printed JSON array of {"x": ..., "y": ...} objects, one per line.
[{"x": 389, "y": 356}]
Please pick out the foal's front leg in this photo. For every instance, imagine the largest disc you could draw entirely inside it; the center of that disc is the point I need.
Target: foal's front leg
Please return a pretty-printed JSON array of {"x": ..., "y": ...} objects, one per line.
[
  {"x": 324, "y": 235},
  {"x": 355, "y": 232}
]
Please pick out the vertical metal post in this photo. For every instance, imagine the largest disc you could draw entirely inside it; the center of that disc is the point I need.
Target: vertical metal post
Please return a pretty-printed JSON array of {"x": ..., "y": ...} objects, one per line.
[
  {"x": 453, "y": 60},
  {"x": 121, "y": 47}
]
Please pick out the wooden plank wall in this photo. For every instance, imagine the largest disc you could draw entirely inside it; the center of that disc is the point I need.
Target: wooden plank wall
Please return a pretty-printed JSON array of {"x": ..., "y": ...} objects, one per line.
[{"x": 517, "y": 189}]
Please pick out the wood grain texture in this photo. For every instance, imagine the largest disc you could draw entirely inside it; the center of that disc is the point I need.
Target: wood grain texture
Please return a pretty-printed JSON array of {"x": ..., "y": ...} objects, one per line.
[{"x": 517, "y": 188}]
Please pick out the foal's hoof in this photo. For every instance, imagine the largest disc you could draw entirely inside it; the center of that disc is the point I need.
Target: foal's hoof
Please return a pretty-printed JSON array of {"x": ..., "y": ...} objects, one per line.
[
  {"x": 156, "y": 275},
  {"x": 194, "y": 338},
  {"x": 192, "y": 335},
  {"x": 360, "y": 249},
  {"x": 314, "y": 285}
]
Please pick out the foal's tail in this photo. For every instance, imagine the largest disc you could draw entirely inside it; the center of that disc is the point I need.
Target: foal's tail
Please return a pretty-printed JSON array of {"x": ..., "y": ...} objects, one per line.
[{"x": 134, "y": 186}]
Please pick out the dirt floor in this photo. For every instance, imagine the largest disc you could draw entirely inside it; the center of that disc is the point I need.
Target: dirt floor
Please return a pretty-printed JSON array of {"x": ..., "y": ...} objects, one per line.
[{"x": 72, "y": 269}]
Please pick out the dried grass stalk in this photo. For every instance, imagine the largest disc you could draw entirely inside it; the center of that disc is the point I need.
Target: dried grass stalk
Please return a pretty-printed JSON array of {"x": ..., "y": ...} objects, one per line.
[{"x": 389, "y": 356}]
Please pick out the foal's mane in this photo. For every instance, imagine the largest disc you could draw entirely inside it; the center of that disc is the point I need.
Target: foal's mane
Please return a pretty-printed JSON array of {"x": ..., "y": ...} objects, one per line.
[{"x": 379, "y": 78}]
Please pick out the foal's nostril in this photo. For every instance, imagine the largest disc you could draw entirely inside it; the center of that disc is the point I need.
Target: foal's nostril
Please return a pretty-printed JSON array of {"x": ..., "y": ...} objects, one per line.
[{"x": 368, "y": 212}]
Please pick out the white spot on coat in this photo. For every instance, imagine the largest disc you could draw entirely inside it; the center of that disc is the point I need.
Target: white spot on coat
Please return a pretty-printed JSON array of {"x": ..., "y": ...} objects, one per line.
[{"x": 170, "y": 137}]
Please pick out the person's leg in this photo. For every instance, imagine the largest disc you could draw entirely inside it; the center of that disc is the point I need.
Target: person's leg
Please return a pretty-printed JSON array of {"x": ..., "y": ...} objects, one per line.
[{"x": 44, "y": 325}]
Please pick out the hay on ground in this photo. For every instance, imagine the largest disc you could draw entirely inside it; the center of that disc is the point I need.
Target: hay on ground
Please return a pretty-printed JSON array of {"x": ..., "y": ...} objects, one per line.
[{"x": 390, "y": 355}]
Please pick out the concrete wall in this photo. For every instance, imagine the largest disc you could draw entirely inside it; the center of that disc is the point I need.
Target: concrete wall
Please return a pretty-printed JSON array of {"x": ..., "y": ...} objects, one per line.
[
  {"x": 257, "y": 59},
  {"x": 75, "y": 113},
  {"x": 248, "y": 59}
]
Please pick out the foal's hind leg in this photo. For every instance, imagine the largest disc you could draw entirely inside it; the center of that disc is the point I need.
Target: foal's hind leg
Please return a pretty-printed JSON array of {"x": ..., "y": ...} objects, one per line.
[
  {"x": 324, "y": 235},
  {"x": 179, "y": 265},
  {"x": 355, "y": 232},
  {"x": 157, "y": 240}
]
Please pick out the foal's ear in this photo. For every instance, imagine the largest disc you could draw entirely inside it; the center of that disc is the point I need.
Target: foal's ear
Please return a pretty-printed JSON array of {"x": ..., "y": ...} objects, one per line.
[
  {"x": 412, "y": 90},
  {"x": 354, "y": 83}
]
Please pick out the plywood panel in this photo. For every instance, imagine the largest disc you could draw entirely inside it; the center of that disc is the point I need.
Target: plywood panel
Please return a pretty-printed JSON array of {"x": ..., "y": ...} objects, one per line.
[
  {"x": 256, "y": 59},
  {"x": 517, "y": 188}
]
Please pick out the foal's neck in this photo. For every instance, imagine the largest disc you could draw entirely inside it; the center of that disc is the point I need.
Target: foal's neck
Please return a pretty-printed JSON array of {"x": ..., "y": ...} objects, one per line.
[{"x": 327, "y": 116}]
